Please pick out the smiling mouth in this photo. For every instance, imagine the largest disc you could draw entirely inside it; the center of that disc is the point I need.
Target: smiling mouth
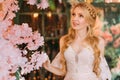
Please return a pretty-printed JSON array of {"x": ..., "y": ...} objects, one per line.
[{"x": 75, "y": 24}]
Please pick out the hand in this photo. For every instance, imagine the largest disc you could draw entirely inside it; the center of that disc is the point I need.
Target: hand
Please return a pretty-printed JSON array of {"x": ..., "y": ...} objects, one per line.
[{"x": 46, "y": 65}]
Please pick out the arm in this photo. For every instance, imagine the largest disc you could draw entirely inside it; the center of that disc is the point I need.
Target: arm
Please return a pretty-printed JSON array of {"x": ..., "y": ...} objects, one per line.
[
  {"x": 105, "y": 71},
  {"x": 57, "y": 66}
]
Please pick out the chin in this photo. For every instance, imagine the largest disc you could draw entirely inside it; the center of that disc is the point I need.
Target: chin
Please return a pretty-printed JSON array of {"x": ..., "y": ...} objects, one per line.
[{"x": 75, "y": 28}]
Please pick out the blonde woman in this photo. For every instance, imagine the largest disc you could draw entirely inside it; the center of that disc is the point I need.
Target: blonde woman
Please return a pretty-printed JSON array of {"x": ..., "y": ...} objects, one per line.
[{"x": 81, "y": 55}]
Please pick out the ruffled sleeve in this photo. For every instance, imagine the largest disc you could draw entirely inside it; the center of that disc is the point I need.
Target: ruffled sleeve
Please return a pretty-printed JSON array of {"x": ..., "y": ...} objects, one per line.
[
  {"x": 105, "y": 71},
  {"x": 57, "y": 61}
]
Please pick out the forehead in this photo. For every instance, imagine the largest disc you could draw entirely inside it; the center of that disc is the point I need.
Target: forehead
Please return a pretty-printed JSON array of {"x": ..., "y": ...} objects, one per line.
[{"x": 78, "y": 10}]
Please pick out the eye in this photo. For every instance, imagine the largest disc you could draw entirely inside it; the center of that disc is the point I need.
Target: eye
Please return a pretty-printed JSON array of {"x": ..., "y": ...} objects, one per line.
[
  {"x": 80, "y": 15},
  {"x": 73, "y": 14}
]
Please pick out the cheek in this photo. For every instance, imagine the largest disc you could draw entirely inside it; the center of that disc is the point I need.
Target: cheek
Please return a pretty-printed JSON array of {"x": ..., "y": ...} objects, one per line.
[{"x": 83, "y": 22}]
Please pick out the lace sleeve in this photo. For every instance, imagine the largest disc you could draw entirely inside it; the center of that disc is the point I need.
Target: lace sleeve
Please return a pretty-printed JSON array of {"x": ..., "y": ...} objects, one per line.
[
  {"x": 105, "y": 71},
  {"x": 57, "y": 61}
]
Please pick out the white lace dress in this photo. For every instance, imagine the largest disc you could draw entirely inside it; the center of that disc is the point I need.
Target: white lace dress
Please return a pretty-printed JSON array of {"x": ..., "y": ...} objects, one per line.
[{"x": 80, "y": 66}]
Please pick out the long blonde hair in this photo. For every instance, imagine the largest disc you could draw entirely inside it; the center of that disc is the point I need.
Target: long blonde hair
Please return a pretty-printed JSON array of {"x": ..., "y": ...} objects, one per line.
[{"x": 90, "y": 16}]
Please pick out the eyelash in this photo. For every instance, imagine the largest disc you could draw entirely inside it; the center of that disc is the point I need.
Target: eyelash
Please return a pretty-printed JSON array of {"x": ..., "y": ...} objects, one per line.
[
  {"x": 80, "y": 15},
  {"x": 73, "y": 14}
]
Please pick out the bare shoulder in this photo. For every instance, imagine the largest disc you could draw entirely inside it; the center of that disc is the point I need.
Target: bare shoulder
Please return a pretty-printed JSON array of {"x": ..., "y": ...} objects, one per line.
[{"x": 61, "y": 41}]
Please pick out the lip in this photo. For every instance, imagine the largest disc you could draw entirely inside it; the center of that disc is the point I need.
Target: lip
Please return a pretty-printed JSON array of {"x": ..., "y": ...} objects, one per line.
[{"x": 75, "y": 24}]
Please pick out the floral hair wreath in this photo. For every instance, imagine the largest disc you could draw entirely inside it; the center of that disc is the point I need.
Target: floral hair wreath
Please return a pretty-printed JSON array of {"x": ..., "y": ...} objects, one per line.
[{"x": 94, "y": 12}]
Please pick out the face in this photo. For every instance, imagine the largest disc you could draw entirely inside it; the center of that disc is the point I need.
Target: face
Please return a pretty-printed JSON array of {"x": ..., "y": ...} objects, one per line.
[{"x": 78, "y": 21}]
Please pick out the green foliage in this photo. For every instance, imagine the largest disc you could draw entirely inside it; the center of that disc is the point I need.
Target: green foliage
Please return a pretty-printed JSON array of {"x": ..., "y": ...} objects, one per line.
[
  {"x": 38, "y": 1},
  {"x": 98, "y": 1},
  {"x": 111, "y": 56},
  {"x": 17, "y": 74},
  {"x": 111, "y": 53},
  {"x": 52, "y": 4}
]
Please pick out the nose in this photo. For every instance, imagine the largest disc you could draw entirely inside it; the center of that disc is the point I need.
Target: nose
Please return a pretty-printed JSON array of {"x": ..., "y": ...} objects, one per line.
[{"x": 75, "y": 18}]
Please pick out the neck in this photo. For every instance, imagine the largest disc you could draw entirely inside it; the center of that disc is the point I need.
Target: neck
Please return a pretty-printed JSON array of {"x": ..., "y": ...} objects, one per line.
[{"x": 81, "y": 34}]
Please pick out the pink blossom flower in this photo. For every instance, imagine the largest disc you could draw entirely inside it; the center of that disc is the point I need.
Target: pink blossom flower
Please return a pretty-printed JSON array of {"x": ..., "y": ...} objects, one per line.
[
  {"x": 115, "y": 30},
  {"x": 107, "y": 36},
  {"x": 3, "y": 69},
  {"x": 42, "y": 58},
  {"x": 12, "y": 54},
  {"x": 44, "y": 4},
  {"x": 60, "y": 1},
  {"x": 11, "y": 36},
  {"x": 27, "y": 68},
  {"x": 32, "y": 2},
  {"x": 116, "y": 43},
  {"x": 9, "y": 6}
]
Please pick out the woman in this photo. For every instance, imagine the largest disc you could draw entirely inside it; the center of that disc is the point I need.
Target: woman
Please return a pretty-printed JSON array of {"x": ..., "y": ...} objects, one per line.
[{"x": 81, "y": 55}]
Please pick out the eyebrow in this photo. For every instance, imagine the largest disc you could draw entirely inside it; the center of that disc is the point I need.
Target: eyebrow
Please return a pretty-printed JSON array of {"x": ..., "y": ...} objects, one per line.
[{"x": 80, "y": 13}]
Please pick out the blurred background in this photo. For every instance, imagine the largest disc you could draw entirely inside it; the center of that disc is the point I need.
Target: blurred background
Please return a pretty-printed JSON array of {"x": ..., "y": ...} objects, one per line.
[{"x": 53, "y": 22}]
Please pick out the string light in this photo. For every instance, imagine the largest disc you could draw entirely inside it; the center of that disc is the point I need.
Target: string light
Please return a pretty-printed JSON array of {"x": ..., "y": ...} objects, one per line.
[
  {"x": 35, "y": 15},
  {"x": 49, "y": 14}
]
